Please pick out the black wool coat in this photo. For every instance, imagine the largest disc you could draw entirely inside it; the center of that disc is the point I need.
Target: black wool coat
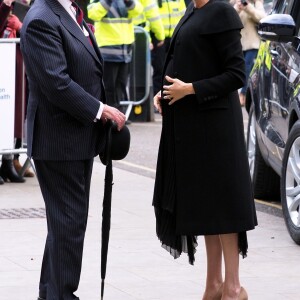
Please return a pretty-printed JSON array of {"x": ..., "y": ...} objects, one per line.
[{"x": 212, "y": 186}]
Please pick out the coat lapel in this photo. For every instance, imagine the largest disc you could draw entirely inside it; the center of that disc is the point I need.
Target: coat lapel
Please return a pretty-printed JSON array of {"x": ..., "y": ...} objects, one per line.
[
  {"x": 74, "y": 29},
  {"x": 94, "y": 42},
  {"x": 188, "y": 13}
]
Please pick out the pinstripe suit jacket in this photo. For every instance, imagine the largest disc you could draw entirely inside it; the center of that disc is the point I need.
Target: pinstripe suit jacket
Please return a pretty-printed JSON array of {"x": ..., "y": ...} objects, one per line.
[{"x": 65, "y": 82}]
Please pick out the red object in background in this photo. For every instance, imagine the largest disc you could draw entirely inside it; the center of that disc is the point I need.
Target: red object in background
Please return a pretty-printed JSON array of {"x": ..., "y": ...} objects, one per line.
[
  {"x": 12, "y": 28},
  {"x": 20, "y": 99}
]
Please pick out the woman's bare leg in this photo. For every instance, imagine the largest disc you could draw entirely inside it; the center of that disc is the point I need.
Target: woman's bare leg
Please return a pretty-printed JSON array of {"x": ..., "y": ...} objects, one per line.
[
  {"x": 214, "y": 268},
  {"x": 242, "y": 99},
  {"x": 232, "y": 287}
]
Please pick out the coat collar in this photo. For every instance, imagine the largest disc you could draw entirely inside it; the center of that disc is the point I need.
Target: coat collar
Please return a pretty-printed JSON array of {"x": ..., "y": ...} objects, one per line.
[
  {"x": 74, "y": 29},
  {"x": 188, "y": 13}
]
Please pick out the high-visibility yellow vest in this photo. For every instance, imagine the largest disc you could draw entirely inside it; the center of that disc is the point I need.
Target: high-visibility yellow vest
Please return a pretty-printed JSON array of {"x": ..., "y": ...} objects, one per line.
[
  {"x": 268, "y": 58},
  {"x": 114, "y": 29},
  {"x": 171, "y": 11},
  {"x": 151, "y": 19}
]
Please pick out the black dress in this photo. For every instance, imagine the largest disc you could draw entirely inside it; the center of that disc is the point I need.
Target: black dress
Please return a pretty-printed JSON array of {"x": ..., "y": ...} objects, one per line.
[{"x": 167, "y": 200}]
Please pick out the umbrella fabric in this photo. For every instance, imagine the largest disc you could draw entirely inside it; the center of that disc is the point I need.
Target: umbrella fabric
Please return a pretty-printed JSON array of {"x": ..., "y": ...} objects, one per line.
[{"x": 106, "y": 213}]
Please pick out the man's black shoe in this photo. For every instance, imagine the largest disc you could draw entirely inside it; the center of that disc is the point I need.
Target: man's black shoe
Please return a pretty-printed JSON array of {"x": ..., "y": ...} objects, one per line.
[
  {"x": 128, "y": 122},
  {"x": 39, "y": 298}
]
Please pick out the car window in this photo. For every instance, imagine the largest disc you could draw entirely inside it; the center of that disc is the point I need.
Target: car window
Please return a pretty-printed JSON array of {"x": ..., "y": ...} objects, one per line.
[
  {"x": 281, "y": 6},
  {"x": 268, "y": 5},
  {"x": 295, "y": 13}
]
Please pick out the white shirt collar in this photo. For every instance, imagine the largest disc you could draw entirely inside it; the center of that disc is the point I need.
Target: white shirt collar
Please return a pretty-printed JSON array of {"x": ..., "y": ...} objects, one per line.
[{"x": 67, "y": 5}]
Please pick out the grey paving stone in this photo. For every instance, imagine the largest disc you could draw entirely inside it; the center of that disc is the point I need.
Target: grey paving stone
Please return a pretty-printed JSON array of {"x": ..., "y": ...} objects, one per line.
[{"x": 138, "y": 268}]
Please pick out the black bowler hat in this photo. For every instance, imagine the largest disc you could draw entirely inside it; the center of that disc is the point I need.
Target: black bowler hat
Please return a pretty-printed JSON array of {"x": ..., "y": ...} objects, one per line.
[{"x": 117, "y": 143}]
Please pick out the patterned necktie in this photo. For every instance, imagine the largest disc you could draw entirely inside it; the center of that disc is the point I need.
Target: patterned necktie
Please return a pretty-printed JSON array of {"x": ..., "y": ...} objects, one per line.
[
  {"x": 79, "y": 19},
  {"x": 79, "y": 14}
]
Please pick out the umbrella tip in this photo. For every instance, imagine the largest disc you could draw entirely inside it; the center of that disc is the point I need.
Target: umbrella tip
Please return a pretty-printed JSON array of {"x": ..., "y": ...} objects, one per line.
[{"x": 102, "y": 288}]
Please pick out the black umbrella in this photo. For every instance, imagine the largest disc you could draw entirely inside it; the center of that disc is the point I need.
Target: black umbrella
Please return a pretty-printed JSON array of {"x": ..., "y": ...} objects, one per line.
[
  {"x": 116, "y": 148},
  {"x": 106, "y": 213}
]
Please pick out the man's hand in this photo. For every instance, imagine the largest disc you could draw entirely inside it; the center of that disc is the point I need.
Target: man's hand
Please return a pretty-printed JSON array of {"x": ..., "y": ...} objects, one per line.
[
  {"x": 160, "y": 43},
  {"x": 111, "y": 113}
]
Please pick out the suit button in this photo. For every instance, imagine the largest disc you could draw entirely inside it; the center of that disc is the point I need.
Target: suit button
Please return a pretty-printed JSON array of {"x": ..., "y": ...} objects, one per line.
[{"x": 175, "y": 74}]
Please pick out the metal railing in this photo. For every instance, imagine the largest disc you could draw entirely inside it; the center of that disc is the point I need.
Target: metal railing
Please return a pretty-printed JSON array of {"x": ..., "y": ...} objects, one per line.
[
  {"x": 147, "y": 58},
  {"x": 138, "y": 47},
  {"x": 23, "y": 148}
]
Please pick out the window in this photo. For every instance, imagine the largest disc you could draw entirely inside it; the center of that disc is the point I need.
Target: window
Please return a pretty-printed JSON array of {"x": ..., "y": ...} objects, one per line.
[{"x": 281, "y": 6}]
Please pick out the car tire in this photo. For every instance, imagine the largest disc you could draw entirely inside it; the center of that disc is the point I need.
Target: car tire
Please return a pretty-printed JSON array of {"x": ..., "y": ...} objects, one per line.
[
  {"x": 290, "y": 183},
  {"x": 265, "y": 181}
]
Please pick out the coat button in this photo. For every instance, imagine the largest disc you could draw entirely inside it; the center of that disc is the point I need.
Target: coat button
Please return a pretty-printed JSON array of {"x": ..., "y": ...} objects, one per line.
[{"x": 175, "y": 74}]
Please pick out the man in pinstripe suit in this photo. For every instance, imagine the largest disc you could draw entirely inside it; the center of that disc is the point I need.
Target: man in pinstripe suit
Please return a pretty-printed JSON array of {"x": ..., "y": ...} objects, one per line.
[{"x": 66, "y": 112}]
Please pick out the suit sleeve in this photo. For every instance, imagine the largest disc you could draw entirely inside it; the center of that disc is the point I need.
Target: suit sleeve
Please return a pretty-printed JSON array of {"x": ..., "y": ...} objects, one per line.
[
  {"x": 46, "y": 62},
  {"x": 229, "y": 48}
]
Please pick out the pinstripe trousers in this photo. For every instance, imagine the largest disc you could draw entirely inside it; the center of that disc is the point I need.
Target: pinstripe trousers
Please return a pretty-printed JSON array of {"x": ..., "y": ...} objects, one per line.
[{"x": 65, "y": 187}]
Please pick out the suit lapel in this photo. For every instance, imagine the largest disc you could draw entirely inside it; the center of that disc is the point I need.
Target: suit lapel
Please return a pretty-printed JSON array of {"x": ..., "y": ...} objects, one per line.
[
  {"x": 74, "y": 29},
  {"x": 94, "y": 42}
]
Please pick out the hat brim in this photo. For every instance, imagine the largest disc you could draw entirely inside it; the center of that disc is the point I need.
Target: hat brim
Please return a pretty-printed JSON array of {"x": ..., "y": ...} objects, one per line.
[{"x": 117, "y": 143}]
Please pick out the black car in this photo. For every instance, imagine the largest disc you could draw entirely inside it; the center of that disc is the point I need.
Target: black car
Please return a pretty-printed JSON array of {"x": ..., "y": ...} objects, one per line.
[{"x": 273, "y": 104}]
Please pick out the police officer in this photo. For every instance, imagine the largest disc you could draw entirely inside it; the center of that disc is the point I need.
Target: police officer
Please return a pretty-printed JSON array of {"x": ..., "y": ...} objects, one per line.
[
  {"x": 171, "y": 12},
  {"x": 114, "y": 31}
]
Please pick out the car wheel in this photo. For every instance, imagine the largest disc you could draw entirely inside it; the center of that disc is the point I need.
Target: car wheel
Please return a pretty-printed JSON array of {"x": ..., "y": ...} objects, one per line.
[
  {"x": 266, "y": 183},
  {"x": 290, "y": 183}
]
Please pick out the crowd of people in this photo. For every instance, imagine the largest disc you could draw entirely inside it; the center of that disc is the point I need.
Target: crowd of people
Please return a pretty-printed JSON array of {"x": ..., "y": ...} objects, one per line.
[
  {"x": 78, "y": 74},
  {"x": 114, "y": 31},
  {"x": 10, "y": 27}
]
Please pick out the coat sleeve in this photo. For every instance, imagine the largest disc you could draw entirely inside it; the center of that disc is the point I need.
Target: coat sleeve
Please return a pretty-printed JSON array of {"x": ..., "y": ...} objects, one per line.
[
  {"x": 154, "y": 19},
  {"x": 228, "y": 47},
  {"x": 134, "y": 8},
  {"x": 98, "y": 10},
  {"x": 4, "y": 12},
  {"x": 45, "y": 59}
]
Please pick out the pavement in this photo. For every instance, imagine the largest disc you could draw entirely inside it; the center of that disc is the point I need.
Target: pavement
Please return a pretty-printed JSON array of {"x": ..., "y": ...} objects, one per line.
[{"x": 138, "y": 267}]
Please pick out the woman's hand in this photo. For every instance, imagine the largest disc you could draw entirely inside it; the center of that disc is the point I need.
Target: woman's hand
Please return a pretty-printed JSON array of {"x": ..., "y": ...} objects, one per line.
[
  {"x": 8, "y": 2},
  {"x": 239, "y": 6},
  {"x": 177, "y": 90},
  {"x": 156, "y": 101}
]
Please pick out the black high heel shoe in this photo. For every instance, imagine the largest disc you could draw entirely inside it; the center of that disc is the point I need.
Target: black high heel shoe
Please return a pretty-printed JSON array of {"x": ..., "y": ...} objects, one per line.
[{"x": 7, "y": 171}]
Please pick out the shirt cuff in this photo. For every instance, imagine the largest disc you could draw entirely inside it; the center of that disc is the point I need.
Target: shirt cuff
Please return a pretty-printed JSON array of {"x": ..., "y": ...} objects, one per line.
[{"x": 99, "y": 113}]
